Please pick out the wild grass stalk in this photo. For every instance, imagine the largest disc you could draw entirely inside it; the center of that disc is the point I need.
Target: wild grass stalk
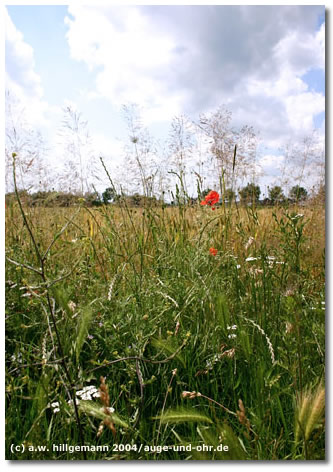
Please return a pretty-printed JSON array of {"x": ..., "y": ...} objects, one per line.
[{"x": 132, "y": 301}]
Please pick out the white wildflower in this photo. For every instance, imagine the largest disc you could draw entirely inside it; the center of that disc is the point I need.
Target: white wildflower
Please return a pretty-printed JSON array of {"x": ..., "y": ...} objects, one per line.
[
  {"x": 88, "y": 392},
  {"x": 55, "y": 407},
  {"x": 70, "y": 402},
  {"x": 250, "y": 259},
  {"x": 86, "y": 396}
]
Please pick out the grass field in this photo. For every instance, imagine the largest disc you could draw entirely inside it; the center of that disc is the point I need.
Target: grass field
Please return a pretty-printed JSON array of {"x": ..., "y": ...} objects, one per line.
[{"x": 184, "y": 333}]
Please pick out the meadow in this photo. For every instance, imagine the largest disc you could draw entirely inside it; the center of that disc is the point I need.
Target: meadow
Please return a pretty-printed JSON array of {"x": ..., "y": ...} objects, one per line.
[{"x": 161, "y": 331}]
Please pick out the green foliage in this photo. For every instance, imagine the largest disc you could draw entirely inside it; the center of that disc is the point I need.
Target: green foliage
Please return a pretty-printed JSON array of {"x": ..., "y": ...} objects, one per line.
[
  {"x": 183, "y": 415},
  {"x": 250, "y": 193},
  {"x": 108, "y": 195},
  {"x": 138, "y": 299},
  {"x": 276, "y": 194},
  {"x": 298, "y": 193}
]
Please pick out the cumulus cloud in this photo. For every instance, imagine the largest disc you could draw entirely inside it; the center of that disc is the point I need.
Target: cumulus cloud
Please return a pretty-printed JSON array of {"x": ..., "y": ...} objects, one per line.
[
  {"x": 173, "y": 59},
  {"x": 128, "y": 52},
  {"x": 21, "y": 79}
]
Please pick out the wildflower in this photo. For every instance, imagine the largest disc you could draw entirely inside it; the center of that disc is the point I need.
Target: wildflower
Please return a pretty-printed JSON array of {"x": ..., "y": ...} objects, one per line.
[
  {"x": 233, "y": 327},
  {"x": 70, "y": 402},
  {"x": 250, "y": 259},
  {"x": 87, "y": 393},
  {"x": 232, "y": 336},
  {"x": 210, "y": 199},
  {"x": 55, "y": 406},
  {"x": 213, "y": 251},
  {"x": 90, "y": 336}
]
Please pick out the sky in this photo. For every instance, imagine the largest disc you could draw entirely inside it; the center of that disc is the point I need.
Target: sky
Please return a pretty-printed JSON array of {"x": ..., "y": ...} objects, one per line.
[{"x": 266, "y": 64}]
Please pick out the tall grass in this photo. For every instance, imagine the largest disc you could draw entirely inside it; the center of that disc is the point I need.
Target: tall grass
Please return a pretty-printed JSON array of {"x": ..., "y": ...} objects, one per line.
[{"x": 138, "y": 299}]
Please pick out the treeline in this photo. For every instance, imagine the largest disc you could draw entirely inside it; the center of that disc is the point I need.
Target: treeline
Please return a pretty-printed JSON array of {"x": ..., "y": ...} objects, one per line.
[
  {"x": 250, "y": 194},
  {"x": 67, "y": 199}
]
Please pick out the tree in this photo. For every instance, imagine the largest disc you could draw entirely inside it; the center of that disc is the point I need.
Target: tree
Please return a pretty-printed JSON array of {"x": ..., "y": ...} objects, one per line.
[
  {"x": 108, "y": 195},
  {"x": 298, "y": 193},
  {"x": 276, "y": 194},
  {"x": 250, "y": 193}
]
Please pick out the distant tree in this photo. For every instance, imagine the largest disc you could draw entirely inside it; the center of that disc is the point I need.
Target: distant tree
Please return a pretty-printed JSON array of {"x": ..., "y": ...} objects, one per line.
[
  {"x": 321, "y": 194},
  {"x": 93, "y": 199},
  {"x": 250, "y": 193},
  {"x": 298, "y": 194},
  {"x": 108, "y": 195},
  {"x": 276, "y": 194},
  {"x": 136, "y": 200}
]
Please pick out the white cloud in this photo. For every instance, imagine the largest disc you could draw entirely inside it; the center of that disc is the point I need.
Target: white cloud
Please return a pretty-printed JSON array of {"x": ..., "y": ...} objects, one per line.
[
  {"x": 192, "y": 59},
  {"x": 129, "y": 61},
  {"x": 22, "y": 81},
  {"x": 109, "y": 148},
  {"x": 271, "y": 161},
  {"x": 302, "y": 108}
]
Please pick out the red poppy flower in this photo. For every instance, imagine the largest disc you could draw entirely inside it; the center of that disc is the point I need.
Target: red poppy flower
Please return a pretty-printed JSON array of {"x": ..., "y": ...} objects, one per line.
[
  {"x": 211, "y": 198},
  {"x": 213, "y": 251}
]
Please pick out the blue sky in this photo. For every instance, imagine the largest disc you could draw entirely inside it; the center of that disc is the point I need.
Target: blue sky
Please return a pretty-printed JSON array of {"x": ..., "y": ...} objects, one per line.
[{"x": 266, "y": 64}]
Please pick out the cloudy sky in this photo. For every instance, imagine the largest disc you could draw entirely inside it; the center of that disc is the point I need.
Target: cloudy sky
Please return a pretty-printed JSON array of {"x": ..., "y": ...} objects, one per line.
[{"x": 264, "y": 63}]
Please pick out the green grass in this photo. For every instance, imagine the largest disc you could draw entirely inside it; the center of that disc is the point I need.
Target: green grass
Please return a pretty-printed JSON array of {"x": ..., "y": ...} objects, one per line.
[{"x": 132, "y": 295}]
